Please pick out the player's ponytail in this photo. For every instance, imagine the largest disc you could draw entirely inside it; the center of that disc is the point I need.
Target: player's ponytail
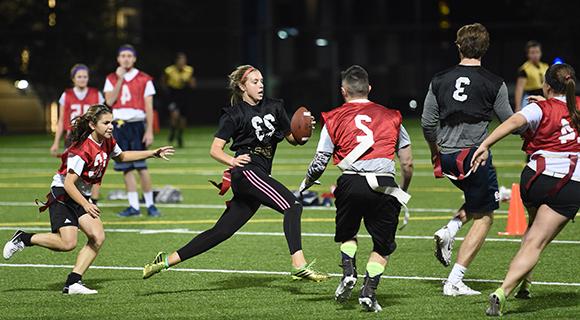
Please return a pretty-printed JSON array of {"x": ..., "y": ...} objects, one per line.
[
  {"x": 562, "y": 79},
  {"x": 81, "y": 128},
  {"x": 236, "y": 78}
]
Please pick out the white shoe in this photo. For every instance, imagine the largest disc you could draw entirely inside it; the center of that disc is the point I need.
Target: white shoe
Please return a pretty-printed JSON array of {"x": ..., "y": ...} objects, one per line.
[
  {"x": 505, "y": 194},
  {"x": 14, "y": 245},
  {"x": 458, "y": 289},
  {"x": 369, "y": 305},
  {"x": 344, "y": 289},
  {"x": 443, "y": 246},
  {"x": 78, "y": 288}
]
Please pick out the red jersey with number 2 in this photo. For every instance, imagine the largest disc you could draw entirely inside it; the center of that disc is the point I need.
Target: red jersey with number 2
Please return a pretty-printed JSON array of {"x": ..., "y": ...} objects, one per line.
[
  {"x": 74, "y": 107},
  {"x": 132, "y": 92},
  {"x": 95, "y": 156},
  {"x": 351, "y": 122},
  {"x": 555, "y": 132}
]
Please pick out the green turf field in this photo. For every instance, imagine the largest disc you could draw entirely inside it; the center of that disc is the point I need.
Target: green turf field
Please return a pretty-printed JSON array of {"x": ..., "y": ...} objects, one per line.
[{"x": 246, "y": 277}]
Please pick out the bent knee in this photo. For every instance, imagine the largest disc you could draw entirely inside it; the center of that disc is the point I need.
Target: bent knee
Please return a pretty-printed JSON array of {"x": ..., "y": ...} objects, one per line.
[
  {"x": 97, "y": 240},
  {"x": 68, "y": 245}
]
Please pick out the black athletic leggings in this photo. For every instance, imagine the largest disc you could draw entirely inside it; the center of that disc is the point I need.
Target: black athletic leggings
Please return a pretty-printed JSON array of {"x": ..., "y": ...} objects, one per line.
[{"x": 252, "y": 187}]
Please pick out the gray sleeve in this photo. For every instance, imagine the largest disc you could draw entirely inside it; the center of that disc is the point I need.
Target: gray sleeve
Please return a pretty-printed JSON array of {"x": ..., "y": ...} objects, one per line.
[
  {"x": 430, "y": 117},
  {"x": 501, "y": 106},
  {"x": 404, "y": 139},
  {"x": 318, "y": 165}
]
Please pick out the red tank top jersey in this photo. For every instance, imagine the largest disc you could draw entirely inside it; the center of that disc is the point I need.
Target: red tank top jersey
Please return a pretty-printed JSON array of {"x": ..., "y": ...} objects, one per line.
[
  {"x": 74, "y": 107},
  {"x": 132, "y": 92},
  {"x": 96, "y": 158},
  {"x": 555, "y": 132},
  {"x": 352, "y": 120}
]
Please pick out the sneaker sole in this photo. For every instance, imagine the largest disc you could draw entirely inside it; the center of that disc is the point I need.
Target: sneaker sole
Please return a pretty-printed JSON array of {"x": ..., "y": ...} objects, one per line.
[
  {"x": 14, "y": 236},
  {"x": 368, "y": 305},
  {"x": 343, "y": 296},
  {"x": 438, "y": 254},
  {"x": 494, "y": 306}
]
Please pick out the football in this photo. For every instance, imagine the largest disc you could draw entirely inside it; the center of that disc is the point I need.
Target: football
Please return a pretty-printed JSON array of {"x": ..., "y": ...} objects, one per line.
[{"x": 301, "y": 125}]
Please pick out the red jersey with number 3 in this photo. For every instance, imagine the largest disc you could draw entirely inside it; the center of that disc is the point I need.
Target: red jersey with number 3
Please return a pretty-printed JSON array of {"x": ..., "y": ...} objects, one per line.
[
  {"x": 352, "y": 121},
  {"x": 132, "y": 92},
  {"x": 555, "y": 132},
  {"x": 74, "y": 107},
  {"x": 95, "y": 157}
]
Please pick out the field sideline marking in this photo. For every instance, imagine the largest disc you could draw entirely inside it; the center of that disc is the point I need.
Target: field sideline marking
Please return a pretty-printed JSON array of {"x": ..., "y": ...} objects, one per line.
[
  {"x": 546, "y": 283},
  {"x": 281, "y": 234}
]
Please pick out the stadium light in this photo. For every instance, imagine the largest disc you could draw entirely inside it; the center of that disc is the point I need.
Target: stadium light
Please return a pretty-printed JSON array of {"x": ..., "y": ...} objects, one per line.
[
  {"x": 321, "y": 42},
  {"x": 282, "y": 34},
  {"x": 21, "y": 84}
]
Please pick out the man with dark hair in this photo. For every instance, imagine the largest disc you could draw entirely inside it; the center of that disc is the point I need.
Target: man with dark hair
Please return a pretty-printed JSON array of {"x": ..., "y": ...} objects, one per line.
[
  {"x": 362, "y": 137},
  {"x": 458, "y": 107},
  {"x": 530, "y": 75}
]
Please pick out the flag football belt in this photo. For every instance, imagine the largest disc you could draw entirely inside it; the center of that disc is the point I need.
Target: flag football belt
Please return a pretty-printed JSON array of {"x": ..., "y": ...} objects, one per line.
[
  {"x": 459, "y": 162},
  {"x": 226, "y": 183},
  {"x": 541, "y": 169},
  {"x": 50, "y": 199}
]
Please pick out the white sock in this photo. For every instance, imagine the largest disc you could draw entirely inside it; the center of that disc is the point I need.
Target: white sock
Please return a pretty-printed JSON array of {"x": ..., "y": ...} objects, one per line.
[
  {"x": 148, "y": 198},
  {"x": 453, "y": 226},
  {"x": 133, "y": 199},
  {"x": 456, "y": 274}
]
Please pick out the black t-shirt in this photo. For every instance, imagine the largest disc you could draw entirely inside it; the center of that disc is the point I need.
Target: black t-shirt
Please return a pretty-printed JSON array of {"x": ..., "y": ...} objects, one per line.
[
  {"x": 465, "y": 94},
  {"x": 255, "y": 130}
]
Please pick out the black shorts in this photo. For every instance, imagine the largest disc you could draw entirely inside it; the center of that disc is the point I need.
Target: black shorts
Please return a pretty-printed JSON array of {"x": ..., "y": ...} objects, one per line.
[
  {"x": 64, "y": 213},
  {"x": 355, "y": 201},
  {"x": 129, "y": 137},
  {"x": 480, "y": 188},
  {"x": 566, "y": 202}
]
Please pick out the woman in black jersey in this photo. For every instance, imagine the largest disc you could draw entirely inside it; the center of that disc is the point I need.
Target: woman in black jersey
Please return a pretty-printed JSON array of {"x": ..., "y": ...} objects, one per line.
[{"x": 256, "y": 125}]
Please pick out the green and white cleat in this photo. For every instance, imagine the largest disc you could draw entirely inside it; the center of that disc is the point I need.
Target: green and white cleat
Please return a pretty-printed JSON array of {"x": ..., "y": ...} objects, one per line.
[
  {"x": 496, "y": 303},
  {"x": 159, "y": 264},
  {"x": 308, "y": 273}
]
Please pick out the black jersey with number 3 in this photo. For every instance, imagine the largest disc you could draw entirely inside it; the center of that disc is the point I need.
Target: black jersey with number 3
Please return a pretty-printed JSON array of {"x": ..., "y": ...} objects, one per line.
[
  {"x": 255, "y": 130},
  {"x": 465, "y": 94}
]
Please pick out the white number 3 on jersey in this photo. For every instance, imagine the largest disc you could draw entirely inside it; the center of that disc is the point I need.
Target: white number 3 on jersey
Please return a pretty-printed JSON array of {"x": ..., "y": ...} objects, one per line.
[{"x": 460, "y": 84}]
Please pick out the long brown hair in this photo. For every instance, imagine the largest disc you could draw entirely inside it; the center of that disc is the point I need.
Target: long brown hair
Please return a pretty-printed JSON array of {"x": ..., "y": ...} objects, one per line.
[
  {"x": 236, "y": 78},
  {"x": 562, "y": 79},
  {"x": 81, "y": 128}
]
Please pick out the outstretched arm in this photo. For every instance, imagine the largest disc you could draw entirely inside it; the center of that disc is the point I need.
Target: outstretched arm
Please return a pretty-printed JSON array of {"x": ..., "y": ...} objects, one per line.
[
  {"x": 128, "y": 156},
  {"x": 321, "y": 159}
]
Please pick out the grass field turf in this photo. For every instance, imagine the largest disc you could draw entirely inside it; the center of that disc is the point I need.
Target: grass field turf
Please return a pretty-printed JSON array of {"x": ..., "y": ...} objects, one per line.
[{"x": 29, "y": 292}]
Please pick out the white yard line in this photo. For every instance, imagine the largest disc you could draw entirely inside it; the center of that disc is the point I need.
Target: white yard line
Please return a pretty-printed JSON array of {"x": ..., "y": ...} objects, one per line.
[{"x": 259, "y": 272}]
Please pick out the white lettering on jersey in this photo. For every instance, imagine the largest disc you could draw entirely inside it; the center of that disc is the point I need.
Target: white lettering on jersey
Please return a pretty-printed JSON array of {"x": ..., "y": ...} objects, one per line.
[
  {"x": 125, "y": 94},
  {"x": 567, "y": 132},
  {"x": 257, "y": 122},
  {"x": 460, "y": 85},
  {"x": 358, "y": 119},
  {"x": 78, "y": 110},
  {"x": 98, "y": 166}
]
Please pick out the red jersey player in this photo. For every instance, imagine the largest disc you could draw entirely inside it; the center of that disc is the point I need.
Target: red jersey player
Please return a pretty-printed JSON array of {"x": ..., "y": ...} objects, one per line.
[
  {"x": 83, "y": 165},
  {"x": 362, "y": 137},
  {"x": 129, "y": 92},
  {"x": 73, "y": 103},
  {"x": 551, "y": 180}
]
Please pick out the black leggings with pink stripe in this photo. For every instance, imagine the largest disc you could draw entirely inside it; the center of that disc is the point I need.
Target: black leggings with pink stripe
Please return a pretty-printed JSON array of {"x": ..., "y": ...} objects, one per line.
[{"x": 252, "y": 187}]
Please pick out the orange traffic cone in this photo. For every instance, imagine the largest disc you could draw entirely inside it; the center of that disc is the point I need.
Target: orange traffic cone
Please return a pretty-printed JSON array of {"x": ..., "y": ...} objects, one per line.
[{"x": 516, "y": 222}]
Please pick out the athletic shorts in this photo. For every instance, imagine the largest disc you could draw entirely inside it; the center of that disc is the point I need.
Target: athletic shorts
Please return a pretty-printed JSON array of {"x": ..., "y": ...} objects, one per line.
[
  {"x": 356, "y": 201},
  {"x": 566, "y": 202},
  {"x": 64, "y": 213},
  {"x": 129, "y": 136},
  {"x": 480, "y": 188}
]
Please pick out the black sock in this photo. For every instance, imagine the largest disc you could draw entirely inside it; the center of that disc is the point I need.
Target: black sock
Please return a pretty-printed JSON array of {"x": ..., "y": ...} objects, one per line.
[
  {"x": 25, "y": 237},
  {"x": 73, "y": 277}
]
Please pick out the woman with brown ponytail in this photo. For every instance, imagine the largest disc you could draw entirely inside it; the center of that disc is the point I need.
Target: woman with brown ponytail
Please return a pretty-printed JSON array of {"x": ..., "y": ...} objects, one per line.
[
  {"x": 551, "y": 180},
  {"x": 83, "y": 165},
  {"x": 256, "y": 125}
]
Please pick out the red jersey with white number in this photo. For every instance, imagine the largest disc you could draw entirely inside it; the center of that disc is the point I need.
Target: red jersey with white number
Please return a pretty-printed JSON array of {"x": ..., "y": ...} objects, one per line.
[
  {"x": 74, "y": 107},
  {"x": 132, "y": 92},
  {"x": 88, "y": 160},
  {"x": 354, "y": 121},
  {"x": 555, "y": 132}
]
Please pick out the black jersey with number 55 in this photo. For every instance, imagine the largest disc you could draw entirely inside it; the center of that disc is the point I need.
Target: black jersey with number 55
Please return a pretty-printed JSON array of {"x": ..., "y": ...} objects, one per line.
[
  {"x": 465, "y": 94},
  {"x": 255, "y": 130}
]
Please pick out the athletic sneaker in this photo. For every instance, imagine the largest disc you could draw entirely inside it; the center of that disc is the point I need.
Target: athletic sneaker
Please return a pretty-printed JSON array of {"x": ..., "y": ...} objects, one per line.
[
  {"x": 368, "y": 298},
  {"x": 496, "y": 303},
  {"x": 153, "y": 212},
  {"x": 348, "y": 280},
  {"x": 458, "y": 289},
  {"x": 129, "y": 212},
  {"x": 524, "y": 290},
  {"x": 14, "y": 245},
  {"x": 307, "y": 272},
  {"x": 443, "y": 246},
  {"x": 159, "y": 264},
  {"x": 78, "y": 288}
]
